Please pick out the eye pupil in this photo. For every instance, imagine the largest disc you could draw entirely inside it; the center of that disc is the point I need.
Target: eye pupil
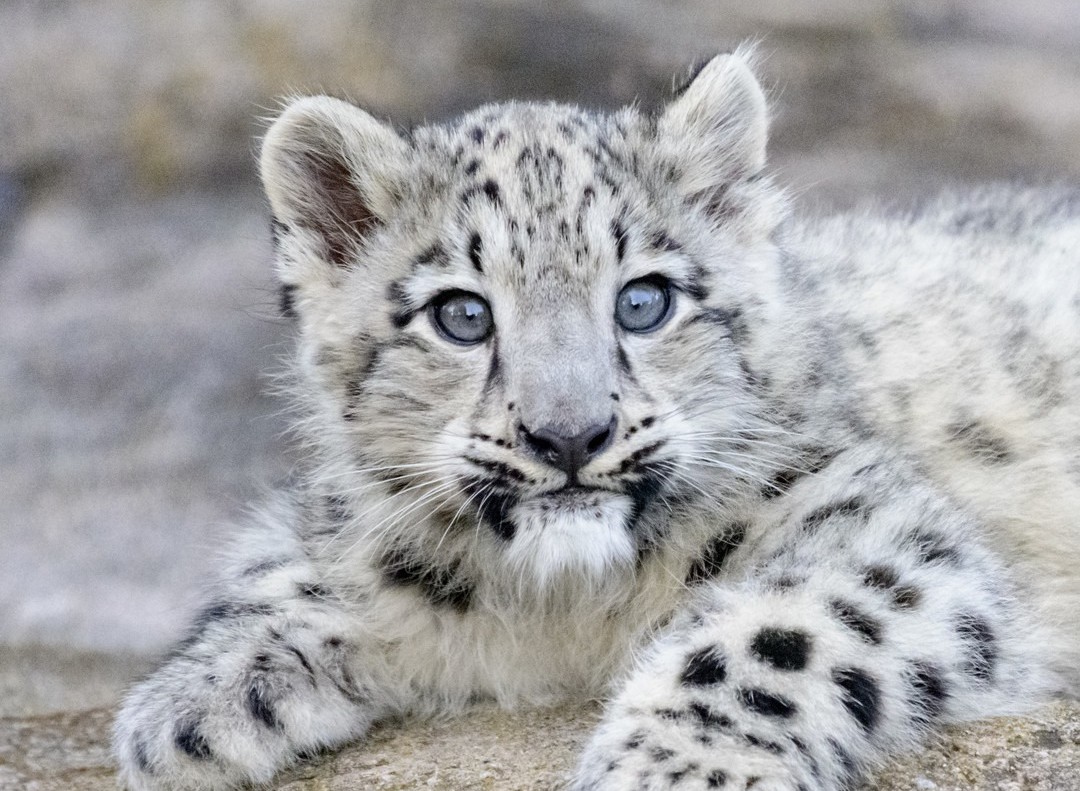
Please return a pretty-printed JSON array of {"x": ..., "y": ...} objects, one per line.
[
  {"x": 643, "y": 305},
  {"x": 462, "y": 317}
]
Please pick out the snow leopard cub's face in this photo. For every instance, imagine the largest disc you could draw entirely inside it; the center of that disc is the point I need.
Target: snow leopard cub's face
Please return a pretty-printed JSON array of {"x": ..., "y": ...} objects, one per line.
[{"x": 523, "y": 329}]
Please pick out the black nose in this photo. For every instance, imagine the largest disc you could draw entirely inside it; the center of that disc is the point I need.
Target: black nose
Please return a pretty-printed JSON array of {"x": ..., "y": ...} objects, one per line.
[{"x": 568, "y": 454}]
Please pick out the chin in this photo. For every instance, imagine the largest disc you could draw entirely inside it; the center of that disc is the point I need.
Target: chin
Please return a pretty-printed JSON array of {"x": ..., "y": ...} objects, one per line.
[{"x": 575, "y": 533}]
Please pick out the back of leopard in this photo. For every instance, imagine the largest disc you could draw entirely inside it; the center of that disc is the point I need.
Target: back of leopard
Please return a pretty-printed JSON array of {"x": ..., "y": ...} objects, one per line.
[{"x": 589, "y": 413}]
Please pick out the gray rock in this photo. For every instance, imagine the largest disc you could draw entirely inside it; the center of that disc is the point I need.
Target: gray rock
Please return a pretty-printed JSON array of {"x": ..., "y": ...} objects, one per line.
[{"x": 535, "y": 751}]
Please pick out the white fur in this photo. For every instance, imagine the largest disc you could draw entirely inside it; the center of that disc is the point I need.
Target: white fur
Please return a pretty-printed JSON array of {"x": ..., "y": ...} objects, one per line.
[{"x": 857, "y": 436}]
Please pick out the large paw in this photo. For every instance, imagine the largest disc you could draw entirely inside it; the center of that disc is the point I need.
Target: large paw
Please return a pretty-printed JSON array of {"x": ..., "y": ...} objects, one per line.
[
  {"x": 176, "y": 731},
  {"x": 236, "y": 715},
  {"x": 688, "y": 751}
]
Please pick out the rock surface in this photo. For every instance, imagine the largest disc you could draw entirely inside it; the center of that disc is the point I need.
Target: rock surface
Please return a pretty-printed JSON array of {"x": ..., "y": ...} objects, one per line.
[{"x": 535, "y": 751}]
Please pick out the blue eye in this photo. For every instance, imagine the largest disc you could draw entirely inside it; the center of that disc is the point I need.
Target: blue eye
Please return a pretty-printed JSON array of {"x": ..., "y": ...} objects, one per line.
[
  {"x": 644, "y": 305},
  {"x": 462, "y": 317}
]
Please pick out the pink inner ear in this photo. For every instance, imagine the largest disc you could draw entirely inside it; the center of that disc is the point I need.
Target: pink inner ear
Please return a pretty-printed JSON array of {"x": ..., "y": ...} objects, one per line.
[{"x": 335, "y": 208}]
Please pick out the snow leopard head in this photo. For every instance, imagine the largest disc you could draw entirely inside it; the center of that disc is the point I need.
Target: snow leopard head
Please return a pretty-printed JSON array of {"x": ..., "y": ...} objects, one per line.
[{"x": 523, "y": 332}]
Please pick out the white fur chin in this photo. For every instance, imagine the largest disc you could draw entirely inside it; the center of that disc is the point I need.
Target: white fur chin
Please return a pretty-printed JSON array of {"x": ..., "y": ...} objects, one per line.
[{"x": 587, "y": 540}]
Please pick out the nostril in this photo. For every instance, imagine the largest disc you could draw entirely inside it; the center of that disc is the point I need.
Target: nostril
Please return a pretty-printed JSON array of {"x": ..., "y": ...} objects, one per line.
[
  {"x": 540, "y": 445},
  {"x": 600, "y": 441}
]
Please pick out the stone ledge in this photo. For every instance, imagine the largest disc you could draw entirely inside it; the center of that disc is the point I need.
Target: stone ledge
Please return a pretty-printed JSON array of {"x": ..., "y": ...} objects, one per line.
[{"x": 534, "y": 750}]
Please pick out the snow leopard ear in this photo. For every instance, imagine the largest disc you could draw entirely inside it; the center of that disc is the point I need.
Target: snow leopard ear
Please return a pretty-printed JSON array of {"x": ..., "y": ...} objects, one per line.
[
  {"x": 716, "y": 128},
  {"x": 332, "y": 170}
]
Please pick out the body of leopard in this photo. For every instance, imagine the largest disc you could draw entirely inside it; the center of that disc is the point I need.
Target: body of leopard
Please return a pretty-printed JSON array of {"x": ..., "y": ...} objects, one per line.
[{"x": 589, "y": 413}]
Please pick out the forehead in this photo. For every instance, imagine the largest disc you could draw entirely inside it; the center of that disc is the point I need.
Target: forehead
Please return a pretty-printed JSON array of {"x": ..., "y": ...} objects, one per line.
[{"x": 542, "y": 193}]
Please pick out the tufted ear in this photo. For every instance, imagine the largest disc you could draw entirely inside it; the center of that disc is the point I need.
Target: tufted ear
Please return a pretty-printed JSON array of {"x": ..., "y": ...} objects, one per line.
[
  {"x": 334, "y": 171},
  {"x": 717, "y": 126}
]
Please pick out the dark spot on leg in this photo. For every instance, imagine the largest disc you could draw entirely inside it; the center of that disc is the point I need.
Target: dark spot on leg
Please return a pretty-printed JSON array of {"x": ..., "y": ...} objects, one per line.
[
  {"x": 142, "y": 760},
  {"x": 636, "y": 740},
  {"x": 982, "y": 646},
  {"x": 304, "y": 663},
  {"x": 764, "y": 744},
  {"x": 880, "y": 577},
  {"x": 847, "y": 763},
  {"x": 258, "y": 703},
  {"x": 980, "y": 441},
  {"x": 930, "y": 693},
  {"x": 933, "y": 548},
  {"x": 708, "y": 718},
  {"x": 906, "y": 597},
  {"x": 766, "y": 703},
  {"x": 704, "y": 667},
  {"x": 661, "y": 754},
  {"x": 676, "y": 777},
  {"x": 887, "y": 580},
  {"x": 862, "y": 696},
  {"x": 190, "y": 741},
  {"x": 855, "y": 619},
  {"x": 784, "y": 649}
]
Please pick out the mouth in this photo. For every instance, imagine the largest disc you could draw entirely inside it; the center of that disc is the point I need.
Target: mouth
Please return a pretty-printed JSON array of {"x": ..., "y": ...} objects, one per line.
[{"x": 575, "y": 496}]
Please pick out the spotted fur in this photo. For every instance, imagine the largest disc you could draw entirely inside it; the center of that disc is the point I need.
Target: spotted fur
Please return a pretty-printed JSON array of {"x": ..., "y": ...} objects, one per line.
[{"x": 820, "y": 503}]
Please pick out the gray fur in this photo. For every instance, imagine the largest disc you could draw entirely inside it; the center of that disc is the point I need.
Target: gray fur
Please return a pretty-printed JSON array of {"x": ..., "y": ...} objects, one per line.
[{"x": 833, "y": 513}]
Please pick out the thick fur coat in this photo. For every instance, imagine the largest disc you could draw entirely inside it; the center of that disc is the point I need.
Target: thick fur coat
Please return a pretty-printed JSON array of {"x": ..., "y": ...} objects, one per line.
[{"x": 588, "y": 412}]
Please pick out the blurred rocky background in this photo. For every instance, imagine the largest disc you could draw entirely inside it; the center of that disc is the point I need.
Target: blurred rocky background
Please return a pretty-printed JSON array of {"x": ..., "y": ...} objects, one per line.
[{"x": 137, "y": 310}]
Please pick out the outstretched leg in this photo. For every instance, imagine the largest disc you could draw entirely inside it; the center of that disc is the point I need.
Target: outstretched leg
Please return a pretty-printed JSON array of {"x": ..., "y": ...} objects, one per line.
[
  {"x": 269, "y": 673},
  {"x": 870, "y": 615}
]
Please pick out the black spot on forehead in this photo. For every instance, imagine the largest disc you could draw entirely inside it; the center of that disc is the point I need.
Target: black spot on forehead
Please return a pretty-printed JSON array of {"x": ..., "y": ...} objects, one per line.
[
  {"x": 618, "y": 231},
  {"x": 475, "y": 248},
  {"x": 435, "y": 255}
]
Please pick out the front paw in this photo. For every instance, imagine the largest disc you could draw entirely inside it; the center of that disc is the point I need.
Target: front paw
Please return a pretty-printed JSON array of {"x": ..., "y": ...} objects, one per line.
[
  {"x": 687, "y": 750},
  {"x": 179, "y": 730}
]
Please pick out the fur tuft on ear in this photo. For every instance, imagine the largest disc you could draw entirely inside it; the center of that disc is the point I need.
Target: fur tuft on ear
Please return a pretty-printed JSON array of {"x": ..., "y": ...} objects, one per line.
[
  {"x": 719, "y": 124},
  {"x": 333, "y": 170}
]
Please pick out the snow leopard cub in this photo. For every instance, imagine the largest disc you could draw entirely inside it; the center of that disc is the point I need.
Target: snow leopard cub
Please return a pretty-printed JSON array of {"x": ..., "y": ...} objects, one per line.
[{"x": 588, "y": 412}]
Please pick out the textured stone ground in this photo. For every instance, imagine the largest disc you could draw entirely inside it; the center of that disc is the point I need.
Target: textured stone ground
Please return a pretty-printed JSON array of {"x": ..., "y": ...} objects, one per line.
[
  {"x": 137, "y": 305},
  {"x": 534, "y": 751}
]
